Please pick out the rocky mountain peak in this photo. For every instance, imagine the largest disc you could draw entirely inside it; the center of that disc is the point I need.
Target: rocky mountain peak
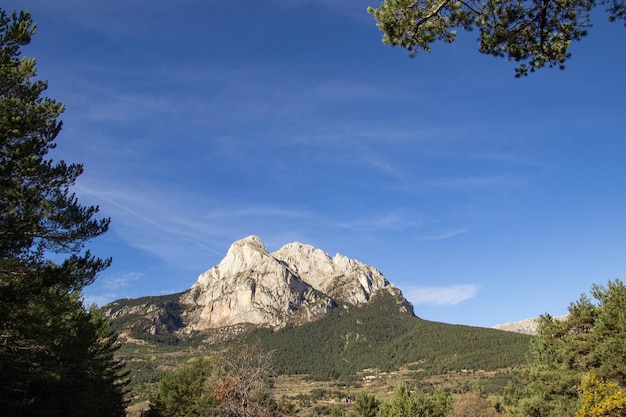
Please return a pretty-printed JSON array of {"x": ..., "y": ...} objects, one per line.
[
  {"x": 340, "y": 277},
  {"x": 242, "y": 255},
  {"x": 312, "y": 265},
  {"x": 295, "y": 284}
]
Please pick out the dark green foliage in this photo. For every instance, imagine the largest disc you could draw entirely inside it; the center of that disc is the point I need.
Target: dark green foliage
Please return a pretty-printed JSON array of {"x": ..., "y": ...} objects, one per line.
[
  {"x": 414, "y": 403},
  {"x": 379, "y": 335},
  {"x": 366, "y": 405},
  {"x": 321, "y": 410},
  {"x": 188, "y": 391},
  {"x": 337, "y": 412},
  {"x": 534, "y": 33},
  {"x": 56, "y": 358},
  {"x": 591, "y": 338},
  {"x": 496, "y": 385}
]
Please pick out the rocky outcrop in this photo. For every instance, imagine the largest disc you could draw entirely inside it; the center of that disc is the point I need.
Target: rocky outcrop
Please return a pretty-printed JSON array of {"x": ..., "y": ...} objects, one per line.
[
  {"x": 526, "y": 326},
  {"x": 341, "y": 278},
  {"x": 251, "y": 286},
  {"x": 153, "y": 315},
  {"x": 296, "y": 284}
]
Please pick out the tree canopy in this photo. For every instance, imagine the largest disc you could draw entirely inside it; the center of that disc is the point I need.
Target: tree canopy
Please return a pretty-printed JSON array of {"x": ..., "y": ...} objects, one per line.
[
  {"x": 533, "y": 33},
  {"x": 571, "y": 358},
  {"x": 56, "y": 357},
  {"x": 473, "y": 404},
  {"x": 414, "y": 403}
]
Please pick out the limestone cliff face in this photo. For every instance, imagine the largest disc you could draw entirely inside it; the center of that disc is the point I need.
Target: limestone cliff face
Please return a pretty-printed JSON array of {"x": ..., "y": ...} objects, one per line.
[
  {"x": 251, "y": 286},
  {"x": 296, "y": 284},
  {"x": 341, "y": 278}
]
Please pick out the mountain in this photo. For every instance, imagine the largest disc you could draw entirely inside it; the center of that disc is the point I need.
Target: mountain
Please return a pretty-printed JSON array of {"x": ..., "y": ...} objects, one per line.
[
  {"x": 251, "y": 287},
  {"x": 323, "y": 317}
]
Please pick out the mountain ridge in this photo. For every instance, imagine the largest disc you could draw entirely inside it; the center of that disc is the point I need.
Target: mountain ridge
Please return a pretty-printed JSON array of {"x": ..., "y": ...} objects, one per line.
[{"x": 250, "y": 286}]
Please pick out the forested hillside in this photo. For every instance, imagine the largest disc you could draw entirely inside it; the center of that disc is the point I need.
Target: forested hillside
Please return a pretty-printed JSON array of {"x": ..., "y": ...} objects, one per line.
[
  {"x": 378, "y": 335},
  {"x": 347, "y": 340}
]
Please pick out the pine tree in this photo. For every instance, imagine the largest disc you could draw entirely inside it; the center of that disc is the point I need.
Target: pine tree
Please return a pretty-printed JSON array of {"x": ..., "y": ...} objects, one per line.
[
  {"x": 534, "y": 34},
  {"x": 56, "y": 358},
  {"x": 407, "y": 403},
  {"x": 591, "y": 339},
  {"x": 188, "y": 391},
  {"x": 366, "y": 405}
]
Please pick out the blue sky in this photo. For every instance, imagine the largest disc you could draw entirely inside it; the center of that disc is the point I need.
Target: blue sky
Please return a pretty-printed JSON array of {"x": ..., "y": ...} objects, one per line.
[{"x": 485, "y": 198}]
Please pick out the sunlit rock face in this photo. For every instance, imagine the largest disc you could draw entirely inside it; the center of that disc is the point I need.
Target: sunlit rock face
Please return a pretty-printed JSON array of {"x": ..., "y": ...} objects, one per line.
[
  {"x": 526, "y": 326},
  {"x": 341, "y": 278},
  {"x": 296, "y": 284},
  {"x": 251, "y": 286}
]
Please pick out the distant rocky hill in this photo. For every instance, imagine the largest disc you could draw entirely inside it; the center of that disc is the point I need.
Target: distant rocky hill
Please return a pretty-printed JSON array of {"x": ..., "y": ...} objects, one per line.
[
  {"x": 252, "y": 287},
  {"x": 526, "y": 326}
]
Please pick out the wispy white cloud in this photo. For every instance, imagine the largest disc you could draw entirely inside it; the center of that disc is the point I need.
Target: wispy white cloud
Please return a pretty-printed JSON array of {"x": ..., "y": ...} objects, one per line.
[
  {"x": 393, "y": 220},
  {"x": 440, "y": 296},
  {"x": 156, "y": 223},
  {"x": 443, "y": 236},
  {"x": 108, "y": 288},
  {"x": 471, "y": 182},
  {"x": 383, "y": 165},
  {"x": 115, "y": 282},
  {"x": 355, "y": 9},
  {"x": 256, "y": 211},
  {"x": 97, "y": 299},
  {"x": 137, "y": 211},
  {"x": 183, "y": 229}
]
